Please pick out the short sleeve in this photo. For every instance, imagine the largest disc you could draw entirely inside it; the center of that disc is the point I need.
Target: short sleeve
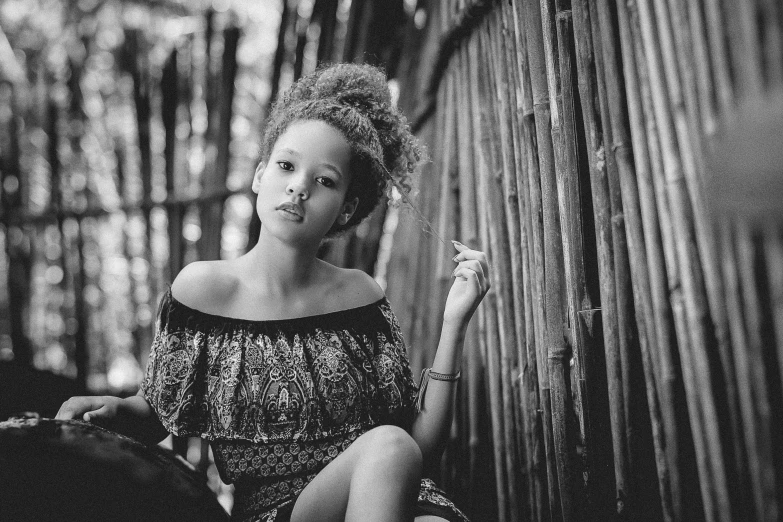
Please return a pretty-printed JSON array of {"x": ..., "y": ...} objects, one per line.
[
  {"x": 396, "y": 390},
  {"x": 174, "y": 380}
]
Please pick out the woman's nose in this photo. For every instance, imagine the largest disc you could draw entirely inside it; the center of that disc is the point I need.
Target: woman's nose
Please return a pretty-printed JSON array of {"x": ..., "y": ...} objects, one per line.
[{"x": 298, "y": 187}]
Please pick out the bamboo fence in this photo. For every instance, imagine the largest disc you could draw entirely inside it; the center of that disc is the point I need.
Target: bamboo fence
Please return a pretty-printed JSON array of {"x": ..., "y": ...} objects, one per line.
[
  {"x": 628, "y": 353},
  {"x": 627, "y": 363}
]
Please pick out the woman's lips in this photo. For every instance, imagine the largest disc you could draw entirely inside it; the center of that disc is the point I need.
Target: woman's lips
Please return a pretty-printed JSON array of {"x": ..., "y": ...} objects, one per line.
[{"x": 291, "y": 211}]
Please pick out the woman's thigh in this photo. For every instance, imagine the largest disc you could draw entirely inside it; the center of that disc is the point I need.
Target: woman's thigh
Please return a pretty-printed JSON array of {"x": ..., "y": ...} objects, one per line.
[
  {"x": 325, "y": 498},
  {"x": 429, "y": 518}
]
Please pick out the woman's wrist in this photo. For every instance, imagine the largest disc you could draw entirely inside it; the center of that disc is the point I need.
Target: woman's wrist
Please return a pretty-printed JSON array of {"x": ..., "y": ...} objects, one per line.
[{"x": 454, "y": 329}]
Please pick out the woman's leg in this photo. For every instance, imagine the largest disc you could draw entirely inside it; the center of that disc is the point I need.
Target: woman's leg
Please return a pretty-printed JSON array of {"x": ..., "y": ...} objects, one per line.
[{"x": 376, "y": 478}]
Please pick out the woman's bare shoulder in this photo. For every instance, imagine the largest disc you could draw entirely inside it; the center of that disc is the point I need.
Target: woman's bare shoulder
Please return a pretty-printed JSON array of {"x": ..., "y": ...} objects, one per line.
[
  {"x": 204, "y": 285},
  {"x": 356, "y": 287}
]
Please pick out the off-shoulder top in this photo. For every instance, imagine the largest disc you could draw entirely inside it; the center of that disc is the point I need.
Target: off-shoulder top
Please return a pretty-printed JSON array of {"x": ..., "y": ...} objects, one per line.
[{"x": 278, "y": 399}]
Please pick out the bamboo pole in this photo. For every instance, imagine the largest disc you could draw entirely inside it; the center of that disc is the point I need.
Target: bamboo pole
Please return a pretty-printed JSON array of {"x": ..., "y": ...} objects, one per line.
[
  {"x": 641, "y": 371},
  {"x": 492, "y": 189},
  {"x": 681, "y": 70},
  {"x": 744, "y": 47},
  {"x": 653, "y": 336},
  {"x": 531, "y": 183},
  {"x": 664, "y": 272},
  {"x": 489, "y": 309},
  {"x": 764, "y": 482},
  {"x": 469, "y": 234},
  {"x": 602, "y": 209},
  {"x": 526, "y": 162},
  {"x": 773, "y": 254},
  {"x": 713, "y": 470},
  {"x": 446, "y": 212},
  {"x": 701, "y": 60},
  {"x": 772, "y": 31},
  {"x": 557, "y": 29},
  {"x": 680, "y": 82},
  {"x": 553, "y": 349},
  {"x": 724, "y": 91},
  {"x": 739, "y": 337},
  {"x": 511, "y": 202}
]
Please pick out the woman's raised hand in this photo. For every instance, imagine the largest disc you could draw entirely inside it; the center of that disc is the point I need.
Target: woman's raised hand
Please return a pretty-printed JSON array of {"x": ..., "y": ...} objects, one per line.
[
  {"x": 89, "y": 409},
  {"x": 470, "y": 285}
]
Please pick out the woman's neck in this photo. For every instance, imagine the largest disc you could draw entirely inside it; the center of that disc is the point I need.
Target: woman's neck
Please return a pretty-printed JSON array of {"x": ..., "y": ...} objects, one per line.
[{"x": 280, "y": 269}]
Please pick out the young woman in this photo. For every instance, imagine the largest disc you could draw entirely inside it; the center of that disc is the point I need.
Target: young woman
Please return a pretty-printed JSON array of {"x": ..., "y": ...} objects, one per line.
[{"x": 295, "y": 370}]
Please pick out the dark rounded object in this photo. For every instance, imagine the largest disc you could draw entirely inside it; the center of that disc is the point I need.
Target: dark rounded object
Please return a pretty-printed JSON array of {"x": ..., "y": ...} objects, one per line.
[{"x": 73, "y": 470}]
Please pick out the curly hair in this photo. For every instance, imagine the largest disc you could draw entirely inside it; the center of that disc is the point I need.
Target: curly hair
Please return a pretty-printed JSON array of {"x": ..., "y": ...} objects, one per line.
[{"x": 355, "y": 100}]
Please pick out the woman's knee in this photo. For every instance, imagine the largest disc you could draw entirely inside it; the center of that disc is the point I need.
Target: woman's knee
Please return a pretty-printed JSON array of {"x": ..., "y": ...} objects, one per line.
[{"x": 392, "y": 445}]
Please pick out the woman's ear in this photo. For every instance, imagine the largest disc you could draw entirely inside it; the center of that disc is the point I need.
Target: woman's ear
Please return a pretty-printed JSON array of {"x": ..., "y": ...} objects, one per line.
[
  {"x": 257, "y": 177},
  {"x": 349, "y": 207}
]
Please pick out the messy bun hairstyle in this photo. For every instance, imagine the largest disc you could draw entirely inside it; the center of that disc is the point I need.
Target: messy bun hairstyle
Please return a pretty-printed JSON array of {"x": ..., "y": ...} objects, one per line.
[{"x": 355, "y": 100}]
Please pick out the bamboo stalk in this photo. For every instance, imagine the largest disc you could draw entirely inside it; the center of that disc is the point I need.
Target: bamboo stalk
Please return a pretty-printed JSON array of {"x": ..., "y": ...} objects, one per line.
[
  {"x": 764, "y": 483},
  {"x": 650, "y": 331},
  {"x": 682, "y": 93},
  {"x": 554, "y": 342},
  {"x": 447, "y": 215},
  {"x": 744, "y": 47},
  {"x": 495, "y": 387},
  {"x": 664, "y": 272},
  {"x": 534, "y": 235},
  {"x": 603, "y": 231},
  {"x": 739, "y": 337},
  {"x": 680, "y": 440},
  {"x": 645, "y": 432},
  {"x": 501, "y": 258},
  {"x": 719, "y": 56},
  {"x": 519, "y": 91},
  {"x": 514, "y": 207},
  {"x": 773, "y": 254},
  {"x": 713, "y": 471},
  {"x": 773, "y": 42},
  {"x": 469, "y": 234},
  {"x": 557, "y": 28},
  {"x": 701, "y": 60},
  {"x": 681, "y": 72}
]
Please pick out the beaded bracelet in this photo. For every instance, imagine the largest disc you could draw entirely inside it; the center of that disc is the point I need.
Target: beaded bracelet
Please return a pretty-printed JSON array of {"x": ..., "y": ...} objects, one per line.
[{"x": 426, "y": 374}]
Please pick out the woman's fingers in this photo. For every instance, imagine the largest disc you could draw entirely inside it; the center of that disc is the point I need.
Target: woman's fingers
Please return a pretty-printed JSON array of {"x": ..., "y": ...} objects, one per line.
[
  {"x": 100, "y": 413},
  {"x": 473, "y": 266},
  {"x": 77, "y": 407},
  {"x": 471, "y": 274},
  {"x": 468, "y": 254}
]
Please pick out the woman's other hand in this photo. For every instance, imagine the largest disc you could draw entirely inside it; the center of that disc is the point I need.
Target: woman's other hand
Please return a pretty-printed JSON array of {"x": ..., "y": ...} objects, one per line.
[
  {"x": 470, "y": 285},
  {"x": 90, "y": 409}
]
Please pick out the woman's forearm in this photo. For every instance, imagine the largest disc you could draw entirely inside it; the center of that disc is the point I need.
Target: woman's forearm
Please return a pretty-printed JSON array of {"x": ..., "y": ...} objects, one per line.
[
  {"x": 137, "y": 419},
  {"x": 432, "y": 425}
]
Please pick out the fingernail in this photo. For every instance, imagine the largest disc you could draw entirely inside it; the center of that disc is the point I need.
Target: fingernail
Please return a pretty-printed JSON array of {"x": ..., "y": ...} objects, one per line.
[{"x": 455, "y": 258}]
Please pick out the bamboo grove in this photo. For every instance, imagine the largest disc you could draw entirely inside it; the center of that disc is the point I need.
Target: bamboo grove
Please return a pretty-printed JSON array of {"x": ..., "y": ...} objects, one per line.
[{"x": 626, "y": 364}]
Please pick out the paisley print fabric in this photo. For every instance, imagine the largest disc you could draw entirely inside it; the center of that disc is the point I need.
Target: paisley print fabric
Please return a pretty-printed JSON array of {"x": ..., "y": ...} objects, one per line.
[{"x": 277, "y": 399}]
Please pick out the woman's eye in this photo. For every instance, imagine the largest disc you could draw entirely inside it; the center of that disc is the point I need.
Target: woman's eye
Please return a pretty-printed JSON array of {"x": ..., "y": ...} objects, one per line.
[
  {"x": 285, "y": 165},
  {"x": 326, "y": 182}
]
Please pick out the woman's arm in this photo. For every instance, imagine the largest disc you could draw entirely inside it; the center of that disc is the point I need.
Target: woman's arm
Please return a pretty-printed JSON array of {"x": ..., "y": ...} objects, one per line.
[
  {"x": 132, "y": 416},
  {"x": 431, "y": 426}
]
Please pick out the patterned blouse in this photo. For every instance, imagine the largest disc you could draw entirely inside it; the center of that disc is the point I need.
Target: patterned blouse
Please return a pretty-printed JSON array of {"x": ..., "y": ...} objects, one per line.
[{"x": 280, "y": 399}]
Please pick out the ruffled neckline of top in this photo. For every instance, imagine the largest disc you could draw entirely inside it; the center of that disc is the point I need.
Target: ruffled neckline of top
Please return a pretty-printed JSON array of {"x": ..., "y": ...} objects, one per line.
[{"x": 352, "y": 314}]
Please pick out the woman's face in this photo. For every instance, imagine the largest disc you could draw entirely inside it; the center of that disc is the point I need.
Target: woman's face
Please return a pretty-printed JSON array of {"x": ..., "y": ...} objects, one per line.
[{"x": 301, "y": 189}]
